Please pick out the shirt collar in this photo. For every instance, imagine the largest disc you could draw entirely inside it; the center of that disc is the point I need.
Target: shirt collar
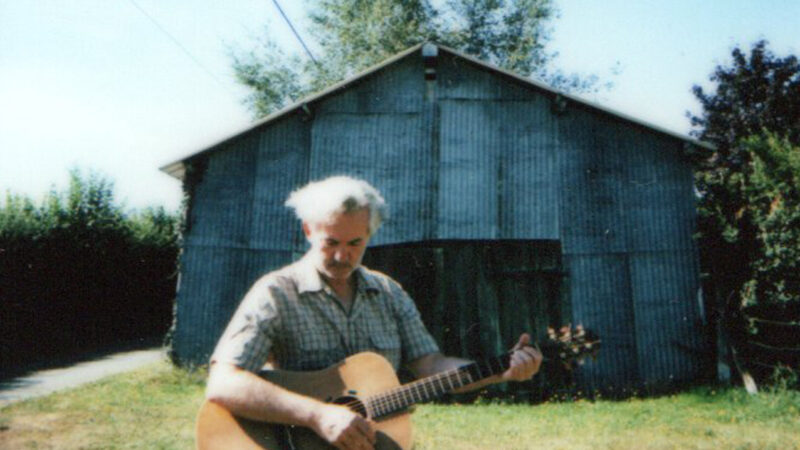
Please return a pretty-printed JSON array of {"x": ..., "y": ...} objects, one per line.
[
  {"x": 308, "y": 279},
  {"x": 367, "y": 281}
]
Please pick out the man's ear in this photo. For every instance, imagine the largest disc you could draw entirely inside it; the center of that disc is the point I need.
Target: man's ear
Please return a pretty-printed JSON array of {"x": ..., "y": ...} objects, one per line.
[{"x": 306, "y": 230}]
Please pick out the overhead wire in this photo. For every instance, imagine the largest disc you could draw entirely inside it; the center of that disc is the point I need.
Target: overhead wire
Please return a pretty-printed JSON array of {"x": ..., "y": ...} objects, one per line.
[
  {"x": 296, "y": 34},
  {"x": 178, "y": 43},
  {"x": 196, "y": 61}
]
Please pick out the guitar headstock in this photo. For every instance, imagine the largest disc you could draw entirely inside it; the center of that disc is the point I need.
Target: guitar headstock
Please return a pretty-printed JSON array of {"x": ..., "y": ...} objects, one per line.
[{"x": 570, "y": 345}]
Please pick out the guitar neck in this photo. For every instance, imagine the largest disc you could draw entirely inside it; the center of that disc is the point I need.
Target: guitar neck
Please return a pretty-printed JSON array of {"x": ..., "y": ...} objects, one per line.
[{"x": 435, "y": 386}]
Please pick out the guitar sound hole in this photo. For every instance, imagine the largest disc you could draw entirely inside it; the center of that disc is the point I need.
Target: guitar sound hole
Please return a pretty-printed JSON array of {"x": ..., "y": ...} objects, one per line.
[{"x": 353, "y": 403}]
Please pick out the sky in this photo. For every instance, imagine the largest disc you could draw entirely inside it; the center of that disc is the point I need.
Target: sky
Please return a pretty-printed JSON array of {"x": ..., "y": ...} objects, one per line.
[{"x": 122, "y": 87}]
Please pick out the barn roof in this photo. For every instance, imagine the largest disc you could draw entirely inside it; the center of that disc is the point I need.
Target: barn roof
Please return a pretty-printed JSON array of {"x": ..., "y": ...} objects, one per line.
[{"x": 177, "y": 168}]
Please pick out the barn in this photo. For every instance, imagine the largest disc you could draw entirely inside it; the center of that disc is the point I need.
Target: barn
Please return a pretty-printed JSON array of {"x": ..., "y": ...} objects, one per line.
[{"x": 513, "y": 207}]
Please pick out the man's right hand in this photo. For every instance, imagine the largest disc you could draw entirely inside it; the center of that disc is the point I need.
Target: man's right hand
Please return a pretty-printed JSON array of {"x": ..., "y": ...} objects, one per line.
[{"x": 343, "y": 428}]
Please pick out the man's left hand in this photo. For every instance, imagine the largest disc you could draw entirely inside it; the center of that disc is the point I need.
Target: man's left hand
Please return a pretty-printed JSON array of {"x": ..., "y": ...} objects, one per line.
[{"x": 525, "y": 360}]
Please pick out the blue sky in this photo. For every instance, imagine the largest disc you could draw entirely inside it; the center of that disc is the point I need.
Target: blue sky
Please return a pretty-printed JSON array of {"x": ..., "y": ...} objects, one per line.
[{"x": 97, "y": 85}]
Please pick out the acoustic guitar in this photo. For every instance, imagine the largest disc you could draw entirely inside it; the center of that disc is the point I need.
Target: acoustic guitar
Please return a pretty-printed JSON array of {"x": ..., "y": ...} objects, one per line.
[{"x": 367, "y": 384}]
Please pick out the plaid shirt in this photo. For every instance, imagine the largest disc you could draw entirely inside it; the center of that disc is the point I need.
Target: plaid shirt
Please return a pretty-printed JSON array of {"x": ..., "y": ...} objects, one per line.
[{"x": 293, "y": 316}]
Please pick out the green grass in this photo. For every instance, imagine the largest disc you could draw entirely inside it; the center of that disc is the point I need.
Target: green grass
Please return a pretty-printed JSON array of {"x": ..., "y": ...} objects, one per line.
[
  {"x": 151, "y": 408},
  {"x": 700, "y": 418},
  {"x": 154, "y": 408}
]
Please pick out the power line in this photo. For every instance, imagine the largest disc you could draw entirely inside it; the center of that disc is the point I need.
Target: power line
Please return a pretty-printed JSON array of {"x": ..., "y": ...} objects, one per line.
[
  {"x": 297, "y": 35},
  {"x": 180, "y": 46}
]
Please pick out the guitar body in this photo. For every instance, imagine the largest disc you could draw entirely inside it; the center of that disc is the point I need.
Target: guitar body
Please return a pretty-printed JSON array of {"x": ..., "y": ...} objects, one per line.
[
  {"x": 367, "y": 384},
  {"x": 359, "y": 376}
]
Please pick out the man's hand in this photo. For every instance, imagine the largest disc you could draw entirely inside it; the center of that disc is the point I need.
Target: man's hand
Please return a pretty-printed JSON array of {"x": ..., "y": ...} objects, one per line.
[
  {"x": 344, "y": 429},
  {"x": 525, "y": 361}
]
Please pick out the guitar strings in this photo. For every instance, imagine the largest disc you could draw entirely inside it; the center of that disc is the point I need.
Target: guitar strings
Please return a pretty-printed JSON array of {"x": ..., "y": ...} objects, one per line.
[
  {"x": 402, "y": 396},
  {"x": 398, "y": 398}
]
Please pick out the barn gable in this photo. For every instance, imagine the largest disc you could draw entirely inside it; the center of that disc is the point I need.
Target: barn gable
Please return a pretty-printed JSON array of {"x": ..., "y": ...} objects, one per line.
[{"x": 467, "y": 153}]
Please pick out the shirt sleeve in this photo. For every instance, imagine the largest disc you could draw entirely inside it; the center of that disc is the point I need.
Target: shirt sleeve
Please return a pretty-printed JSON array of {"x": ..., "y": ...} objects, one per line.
[
  {"x": 415, "y": 339},
  {"x": 248, "y": 339}
]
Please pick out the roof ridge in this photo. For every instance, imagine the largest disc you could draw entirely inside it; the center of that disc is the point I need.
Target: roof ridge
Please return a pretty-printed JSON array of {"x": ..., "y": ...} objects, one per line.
[{"x": 175, "y": 168}]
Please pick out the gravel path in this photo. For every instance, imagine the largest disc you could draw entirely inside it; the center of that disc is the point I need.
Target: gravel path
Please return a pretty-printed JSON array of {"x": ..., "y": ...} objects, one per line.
[{"x": 48, "y": 381}]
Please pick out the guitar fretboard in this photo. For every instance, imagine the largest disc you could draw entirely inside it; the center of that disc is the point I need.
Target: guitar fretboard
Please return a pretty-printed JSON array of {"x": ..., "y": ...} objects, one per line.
[{"x": 426, "y": 389}]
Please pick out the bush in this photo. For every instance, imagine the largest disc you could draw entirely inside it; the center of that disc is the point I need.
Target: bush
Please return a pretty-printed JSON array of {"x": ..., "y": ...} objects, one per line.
[
  {"x": 77, "y": 273},
  {"x": 751, "y": 240}
]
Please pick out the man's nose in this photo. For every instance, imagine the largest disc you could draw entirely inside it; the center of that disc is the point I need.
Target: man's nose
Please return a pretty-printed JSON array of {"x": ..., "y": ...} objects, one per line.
[{"x": 342, "y": 255}]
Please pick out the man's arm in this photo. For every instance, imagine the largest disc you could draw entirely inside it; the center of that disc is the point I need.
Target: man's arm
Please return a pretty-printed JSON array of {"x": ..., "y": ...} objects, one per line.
[
  {"x": 247, "y": 395},
  {"x": 525, "y": 362}
]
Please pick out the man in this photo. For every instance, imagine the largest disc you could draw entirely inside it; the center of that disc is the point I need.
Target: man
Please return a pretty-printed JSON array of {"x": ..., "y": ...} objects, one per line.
[{"x": 326, "y": 306}]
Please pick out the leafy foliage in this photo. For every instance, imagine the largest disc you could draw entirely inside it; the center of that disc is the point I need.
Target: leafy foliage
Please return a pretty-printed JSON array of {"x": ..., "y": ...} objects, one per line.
[
  {"x": 355, "y": 34},
  {"x": 81, "y": 270},
  {"x": 749, "y": 202},
  {"x": 765, "y": 226},
  {"x": 510, "y": 36},
  {"x": 771, "y": 188},
  {"x": 746, "y": 184},
  {"x": 752, "y": 94}
]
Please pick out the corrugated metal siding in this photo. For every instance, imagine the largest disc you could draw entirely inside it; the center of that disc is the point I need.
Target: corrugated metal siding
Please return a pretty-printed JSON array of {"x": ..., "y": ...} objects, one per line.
[
  {"x": 623, "y": 189},
  {"x": 396, "y": 90},
  {"x": 498, "y": 158},
  {"x": 627, "y": 200},
  {"x": 222, "y": 203},
  {"x": 601, "y": 300},
  {"x": 668, "y": 327},
  {"x": 389, "y": 151},
  {"x": 483, "y": 158},
  {"x": 591, "y": 175},
  {"x": 529, "y": 161},
  {"x": 281, "y": 167},
  {"x": 658, "y": 193},
  {"x": 498, "y": 171},
  {"x": 459, "y": 79},
  {"x": 468, "y": 172},
  {"x": 378, "y": 130},
  {"x": 644, "y": 306},
  {"x": 240, "y": 229},
  {"x": 214, "y": 280}
]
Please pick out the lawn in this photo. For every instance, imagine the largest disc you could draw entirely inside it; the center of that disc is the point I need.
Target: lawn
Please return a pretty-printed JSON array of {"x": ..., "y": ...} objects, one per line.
[{"x": 154, "y": 408}]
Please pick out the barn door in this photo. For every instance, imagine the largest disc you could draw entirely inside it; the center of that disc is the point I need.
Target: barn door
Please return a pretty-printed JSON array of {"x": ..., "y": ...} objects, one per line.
[{"x": 476, "y": 297}]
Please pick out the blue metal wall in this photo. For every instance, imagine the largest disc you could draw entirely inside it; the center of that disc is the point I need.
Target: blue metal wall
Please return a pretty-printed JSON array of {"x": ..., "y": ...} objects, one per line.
[{"x": 475, "y": 154}]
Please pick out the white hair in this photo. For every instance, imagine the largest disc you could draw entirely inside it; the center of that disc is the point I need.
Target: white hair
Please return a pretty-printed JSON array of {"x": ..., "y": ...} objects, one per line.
[{"x": 318, "y": 201}]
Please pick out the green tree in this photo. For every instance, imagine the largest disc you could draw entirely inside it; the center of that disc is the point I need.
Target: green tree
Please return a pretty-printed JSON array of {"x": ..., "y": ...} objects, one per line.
[
  {"x": 19, "y": 218},
  {"x": 512, "y": 36},
  {"x": 768, "y": 190},
  {"x": 755, "y": 257},
  {"x": 355, "y": 34},
  {"x": 748, "y": 204},
  {"x": 752, "y": 94},
  {"x": 79, "y": 267}
]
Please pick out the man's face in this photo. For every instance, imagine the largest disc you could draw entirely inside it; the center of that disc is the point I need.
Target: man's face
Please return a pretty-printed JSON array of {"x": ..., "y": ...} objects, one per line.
[{"x": 338, "y": 245}]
